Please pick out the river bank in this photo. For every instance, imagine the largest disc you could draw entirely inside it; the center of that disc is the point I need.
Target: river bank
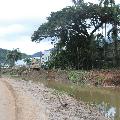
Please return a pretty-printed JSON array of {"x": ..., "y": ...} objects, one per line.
[
  {"x": 102, "y": 78},
  {"x": 58, "y": 106}
]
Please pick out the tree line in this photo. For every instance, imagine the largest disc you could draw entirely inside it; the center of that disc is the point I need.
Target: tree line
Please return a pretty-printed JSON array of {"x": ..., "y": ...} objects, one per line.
[{"x": 85, "y": 35}]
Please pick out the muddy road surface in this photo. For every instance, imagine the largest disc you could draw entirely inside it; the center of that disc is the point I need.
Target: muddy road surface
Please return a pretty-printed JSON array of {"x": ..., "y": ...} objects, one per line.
[
  {"x": 7, "y": 103},
  {"x": 18, "y": 105}
]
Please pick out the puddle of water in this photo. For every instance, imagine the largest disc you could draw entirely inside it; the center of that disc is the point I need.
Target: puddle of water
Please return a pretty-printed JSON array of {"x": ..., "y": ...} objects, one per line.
[{"x": 106, "y": 99}]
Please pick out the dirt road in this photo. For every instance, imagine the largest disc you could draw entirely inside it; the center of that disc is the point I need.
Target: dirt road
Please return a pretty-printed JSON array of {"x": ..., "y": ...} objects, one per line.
[
  {"x": 7, "y": 103},
  {"x": 17, "y": 105}
]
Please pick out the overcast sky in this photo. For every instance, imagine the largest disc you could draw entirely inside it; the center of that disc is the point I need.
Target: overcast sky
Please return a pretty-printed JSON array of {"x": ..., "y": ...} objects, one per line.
[{"x": 20, "y": 18}]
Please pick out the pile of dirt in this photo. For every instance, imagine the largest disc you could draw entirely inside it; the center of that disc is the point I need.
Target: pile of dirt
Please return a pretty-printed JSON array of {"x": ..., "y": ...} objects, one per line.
[{"x": 105, "y": 77}]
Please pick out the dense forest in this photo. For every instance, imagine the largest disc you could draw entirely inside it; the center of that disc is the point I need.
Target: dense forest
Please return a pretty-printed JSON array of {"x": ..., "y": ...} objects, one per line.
[{"x": 85, "y": 35}]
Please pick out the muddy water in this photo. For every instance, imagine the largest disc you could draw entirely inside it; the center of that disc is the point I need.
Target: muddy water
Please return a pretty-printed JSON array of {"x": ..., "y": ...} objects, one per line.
[{"x": 106, "y": 99}]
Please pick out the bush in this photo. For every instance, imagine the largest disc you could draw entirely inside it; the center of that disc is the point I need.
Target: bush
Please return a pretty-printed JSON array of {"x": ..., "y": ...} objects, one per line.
[{"x": 78, "y": 76}]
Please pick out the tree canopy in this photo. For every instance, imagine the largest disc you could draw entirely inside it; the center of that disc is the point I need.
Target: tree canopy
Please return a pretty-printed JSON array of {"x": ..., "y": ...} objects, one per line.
[
  {"x": 79, "y": 33},
  {"x": 13, "y": 56}
]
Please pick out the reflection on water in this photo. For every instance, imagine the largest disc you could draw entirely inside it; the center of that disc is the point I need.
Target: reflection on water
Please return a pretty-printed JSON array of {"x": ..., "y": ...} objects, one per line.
[
  {"x": 107, "y": 100},
  {"x": 110, "y": 112}
]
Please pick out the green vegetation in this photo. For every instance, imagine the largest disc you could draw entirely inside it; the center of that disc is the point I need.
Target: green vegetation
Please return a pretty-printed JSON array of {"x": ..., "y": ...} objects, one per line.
[
  {"x": 81, "y": 36},
  {"x": 28, "y": 61},
  {"x": 13, "y": 56},
  {"x": 3, "y": 54},
  {"x": 78, "y": 76},
  {"x": 6, "y": 56}
]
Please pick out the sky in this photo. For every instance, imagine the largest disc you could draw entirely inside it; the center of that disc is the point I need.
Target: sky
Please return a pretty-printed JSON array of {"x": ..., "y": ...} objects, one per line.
[{"x": 20, "y": 18}]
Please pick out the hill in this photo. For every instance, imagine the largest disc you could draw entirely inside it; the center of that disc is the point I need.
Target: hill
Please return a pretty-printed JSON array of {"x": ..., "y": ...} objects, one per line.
[{"x": 38, "y": 54}]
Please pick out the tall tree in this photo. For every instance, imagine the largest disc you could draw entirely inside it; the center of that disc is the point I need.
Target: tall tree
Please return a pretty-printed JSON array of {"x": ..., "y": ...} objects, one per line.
[
  {"x": 75, "y": 28},
  {"x": 13, "y": 56},
  {"x": 113, "y": 32}
]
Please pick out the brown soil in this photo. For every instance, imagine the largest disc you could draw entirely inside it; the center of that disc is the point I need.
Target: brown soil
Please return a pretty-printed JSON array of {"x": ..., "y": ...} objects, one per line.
[{"x": 17, "y": 105}]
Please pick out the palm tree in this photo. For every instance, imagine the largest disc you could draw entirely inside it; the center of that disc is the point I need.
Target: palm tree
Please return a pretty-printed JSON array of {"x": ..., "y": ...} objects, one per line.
[
  {"x": 114, "y": 30},
  {"x": 113, "y": 33},
  {"x": 14, "y": 56}
]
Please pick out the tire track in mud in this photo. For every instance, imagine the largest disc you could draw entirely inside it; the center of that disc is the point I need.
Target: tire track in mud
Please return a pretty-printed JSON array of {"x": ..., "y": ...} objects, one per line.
[
  {"x": 24, "y": 105},
  {"x": 8, "y": 102}
]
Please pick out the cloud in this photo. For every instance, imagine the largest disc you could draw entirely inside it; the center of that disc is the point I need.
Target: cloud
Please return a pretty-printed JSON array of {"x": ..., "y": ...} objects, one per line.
[
  {"x": 11, "y": 29},
  {"x": 20, "y": 18},
  {"x": 17, "y": 9},
  {"x": 25, "y": 45}
]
